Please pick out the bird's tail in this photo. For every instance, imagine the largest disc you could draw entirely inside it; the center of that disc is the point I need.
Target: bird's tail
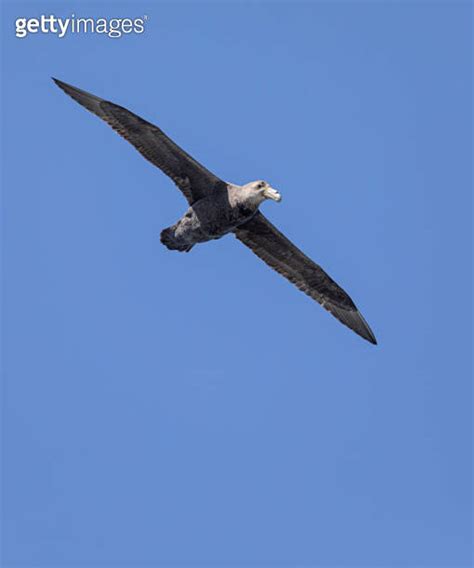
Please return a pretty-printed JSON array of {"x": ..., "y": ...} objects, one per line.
[{"x": 168, "y": 238}]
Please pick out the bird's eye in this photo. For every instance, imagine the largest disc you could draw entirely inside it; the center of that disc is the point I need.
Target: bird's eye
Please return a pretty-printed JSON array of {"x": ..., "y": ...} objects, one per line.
[{"x": 261, "y": 184}]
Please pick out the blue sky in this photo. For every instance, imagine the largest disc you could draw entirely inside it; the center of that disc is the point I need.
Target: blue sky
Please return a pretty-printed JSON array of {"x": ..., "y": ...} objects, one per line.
[{"x": 164, "y": 409}]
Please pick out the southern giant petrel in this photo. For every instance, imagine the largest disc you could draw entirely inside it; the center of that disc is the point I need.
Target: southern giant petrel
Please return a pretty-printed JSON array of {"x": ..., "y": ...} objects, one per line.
[{"x": 217, "y": 207}]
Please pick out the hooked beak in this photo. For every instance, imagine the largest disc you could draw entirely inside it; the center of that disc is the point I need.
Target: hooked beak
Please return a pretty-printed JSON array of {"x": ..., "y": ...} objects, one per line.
[{"x": 271, "y": 193}]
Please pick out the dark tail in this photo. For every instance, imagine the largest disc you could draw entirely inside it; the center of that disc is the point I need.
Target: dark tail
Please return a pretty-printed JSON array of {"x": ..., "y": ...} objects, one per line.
[{"x": 168, "y": 239}]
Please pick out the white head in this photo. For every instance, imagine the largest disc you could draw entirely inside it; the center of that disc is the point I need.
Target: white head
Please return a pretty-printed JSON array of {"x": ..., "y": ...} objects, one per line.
[{"x": 260, "y": 190}]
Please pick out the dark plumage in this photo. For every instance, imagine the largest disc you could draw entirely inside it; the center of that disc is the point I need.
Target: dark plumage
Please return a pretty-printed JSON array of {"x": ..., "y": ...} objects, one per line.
[{"x": 217, "y": 207}]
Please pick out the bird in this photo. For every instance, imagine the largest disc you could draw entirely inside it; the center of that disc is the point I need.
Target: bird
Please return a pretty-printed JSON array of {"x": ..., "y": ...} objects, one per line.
[{"x": 217, "y": 208}]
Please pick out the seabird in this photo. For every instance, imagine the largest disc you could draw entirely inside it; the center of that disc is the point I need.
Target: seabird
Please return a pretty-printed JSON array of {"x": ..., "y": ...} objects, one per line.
[{"x": 217, "y": 208}]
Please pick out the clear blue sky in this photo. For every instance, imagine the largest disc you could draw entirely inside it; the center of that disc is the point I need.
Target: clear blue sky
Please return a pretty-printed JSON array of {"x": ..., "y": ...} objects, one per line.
[{"x": 169, "y": 409}]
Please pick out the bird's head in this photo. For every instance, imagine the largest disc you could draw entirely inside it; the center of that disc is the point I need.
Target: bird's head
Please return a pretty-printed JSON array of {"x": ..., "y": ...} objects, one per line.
[{"x": 262, "y": 190}]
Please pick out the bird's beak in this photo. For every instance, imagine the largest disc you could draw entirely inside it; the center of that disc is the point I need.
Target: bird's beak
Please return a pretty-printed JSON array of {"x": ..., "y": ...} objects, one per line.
[{"x": 271, "y": 193}]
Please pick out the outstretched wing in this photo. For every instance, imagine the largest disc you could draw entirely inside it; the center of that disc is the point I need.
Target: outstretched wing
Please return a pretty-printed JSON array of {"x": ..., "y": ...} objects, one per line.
[
  {"x": 268, "y": 243},
  {"x": 194, "y": 180}
]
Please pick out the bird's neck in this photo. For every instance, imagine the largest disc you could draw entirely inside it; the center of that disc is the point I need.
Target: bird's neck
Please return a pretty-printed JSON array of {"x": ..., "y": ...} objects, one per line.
[{"x": 248, "y": 197}]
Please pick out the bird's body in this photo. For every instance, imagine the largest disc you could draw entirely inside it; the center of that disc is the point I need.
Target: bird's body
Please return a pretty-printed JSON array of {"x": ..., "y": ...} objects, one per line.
[
  {"x": 212, "y": 217},
  {"x": 217, "y": 208}
]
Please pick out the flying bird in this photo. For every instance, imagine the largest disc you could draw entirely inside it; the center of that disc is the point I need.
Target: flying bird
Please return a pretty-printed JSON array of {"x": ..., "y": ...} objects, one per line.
[{"x": 217, "y": 207}]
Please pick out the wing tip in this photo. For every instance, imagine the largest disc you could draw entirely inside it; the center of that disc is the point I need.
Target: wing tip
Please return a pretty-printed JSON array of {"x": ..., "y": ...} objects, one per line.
[
  {"x": 354, "y": 320},
  {"x": 366, "y": 333},
  {"x": 371, "y": 338},
  {"x": 68, "y": 89},
  {"x": 61, "y": 84},
  {"x": 87, "y": 100}
]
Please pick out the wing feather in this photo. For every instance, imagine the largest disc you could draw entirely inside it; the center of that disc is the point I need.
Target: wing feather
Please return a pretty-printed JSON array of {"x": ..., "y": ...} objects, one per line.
[
  {"x": 269, "y": 244},
  {"x": 194, "y": 180}
]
